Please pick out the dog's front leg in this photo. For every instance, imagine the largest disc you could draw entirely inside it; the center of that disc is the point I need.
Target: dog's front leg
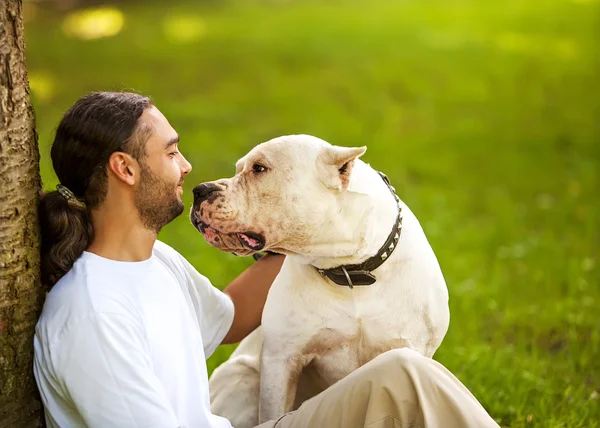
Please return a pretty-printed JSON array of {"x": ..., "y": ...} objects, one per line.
[{"x": 278, "y": 382}]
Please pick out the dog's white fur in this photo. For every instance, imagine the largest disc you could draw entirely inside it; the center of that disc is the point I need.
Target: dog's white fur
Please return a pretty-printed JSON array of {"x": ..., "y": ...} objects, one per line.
[{"x": 315, "y": 332}]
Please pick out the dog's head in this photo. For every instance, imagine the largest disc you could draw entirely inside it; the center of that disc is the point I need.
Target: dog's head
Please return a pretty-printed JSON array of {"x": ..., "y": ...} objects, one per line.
[{"x": 288, "y": 195}]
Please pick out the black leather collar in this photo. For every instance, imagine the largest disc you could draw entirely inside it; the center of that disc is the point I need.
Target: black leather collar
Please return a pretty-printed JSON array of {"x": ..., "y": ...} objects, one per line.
[{"x": 360, "y": 274}]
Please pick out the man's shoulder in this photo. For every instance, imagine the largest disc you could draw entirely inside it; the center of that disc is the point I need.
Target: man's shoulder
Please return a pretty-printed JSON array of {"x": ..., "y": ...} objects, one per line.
[
  {"x": 184, "y": 271},
  {"x": 73, "y": 287},
  {"x": 173, "y": 260},
  {"x": 85, "y": 290},
  {"x": 164, "y": 250},
  {"x": 87, "y": 276},
  {"x": 169, "y": 258}
]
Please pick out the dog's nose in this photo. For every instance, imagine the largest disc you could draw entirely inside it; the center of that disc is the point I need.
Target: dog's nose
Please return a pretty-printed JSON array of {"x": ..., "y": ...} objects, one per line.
[{"x": 203, "y": 191}]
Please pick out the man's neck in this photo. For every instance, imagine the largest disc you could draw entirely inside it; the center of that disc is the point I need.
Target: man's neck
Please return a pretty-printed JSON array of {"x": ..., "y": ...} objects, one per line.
[{"x": 120, "y": 235}]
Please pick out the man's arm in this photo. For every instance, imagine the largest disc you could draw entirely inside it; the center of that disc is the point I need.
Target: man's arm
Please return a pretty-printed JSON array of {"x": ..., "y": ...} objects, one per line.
[{"x": 249, "y": 293}]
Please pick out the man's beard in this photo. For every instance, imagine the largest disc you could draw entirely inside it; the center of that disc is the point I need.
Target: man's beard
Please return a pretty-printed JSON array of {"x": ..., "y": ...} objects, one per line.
[{"x": 156, "y": 200}]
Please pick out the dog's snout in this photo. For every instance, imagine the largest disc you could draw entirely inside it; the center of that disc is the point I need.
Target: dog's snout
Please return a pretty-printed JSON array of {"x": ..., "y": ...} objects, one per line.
[{"x": 203, "y": 191}]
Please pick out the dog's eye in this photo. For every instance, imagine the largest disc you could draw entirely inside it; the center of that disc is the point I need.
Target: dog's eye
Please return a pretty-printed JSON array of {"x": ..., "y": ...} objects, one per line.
[{"x": 258, "y": 168}]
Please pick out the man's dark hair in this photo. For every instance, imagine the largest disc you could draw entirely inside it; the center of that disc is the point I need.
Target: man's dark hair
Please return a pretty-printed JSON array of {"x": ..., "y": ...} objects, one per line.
[{"x": 95, "y": 127}]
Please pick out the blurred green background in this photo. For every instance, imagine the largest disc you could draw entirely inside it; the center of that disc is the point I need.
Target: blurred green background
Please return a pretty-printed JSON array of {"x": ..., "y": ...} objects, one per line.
[{"x": 485, "y": 115}]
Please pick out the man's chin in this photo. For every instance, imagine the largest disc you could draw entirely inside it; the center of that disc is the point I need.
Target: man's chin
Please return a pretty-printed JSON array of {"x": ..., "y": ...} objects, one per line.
[
  {"x": 155, "y": 220},
  {"x": 176, "y": 211},
  {"x": 180, "y": 208}
]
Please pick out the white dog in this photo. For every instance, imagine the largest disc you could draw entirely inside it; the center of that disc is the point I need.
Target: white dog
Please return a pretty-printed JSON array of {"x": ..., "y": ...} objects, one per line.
[{"x": 360, "y": 277}]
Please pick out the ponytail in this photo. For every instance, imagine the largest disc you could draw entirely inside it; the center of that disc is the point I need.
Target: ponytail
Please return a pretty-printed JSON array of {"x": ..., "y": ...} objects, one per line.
[{"x": 66, "y": 230}]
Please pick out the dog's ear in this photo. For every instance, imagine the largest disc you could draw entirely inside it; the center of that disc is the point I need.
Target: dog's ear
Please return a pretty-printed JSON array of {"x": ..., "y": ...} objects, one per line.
[{"x": 335, "y": 165}]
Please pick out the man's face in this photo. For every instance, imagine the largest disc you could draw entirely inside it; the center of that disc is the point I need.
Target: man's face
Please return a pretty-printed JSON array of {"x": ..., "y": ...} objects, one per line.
[{"x": 158, "y": 196}]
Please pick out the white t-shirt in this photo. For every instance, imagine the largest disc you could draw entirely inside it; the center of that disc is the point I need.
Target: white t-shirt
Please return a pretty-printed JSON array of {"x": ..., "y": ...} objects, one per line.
[{"x": 124, "y": 344}]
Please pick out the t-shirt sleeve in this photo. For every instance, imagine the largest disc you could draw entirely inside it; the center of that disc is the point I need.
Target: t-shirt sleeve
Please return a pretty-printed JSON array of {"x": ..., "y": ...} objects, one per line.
[
  {"x": 106, "y": 371},
  {"x": 214, "y": 308}
]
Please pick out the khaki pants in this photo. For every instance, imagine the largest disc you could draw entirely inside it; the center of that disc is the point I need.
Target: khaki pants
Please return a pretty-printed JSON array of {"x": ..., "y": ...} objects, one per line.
[{"x": 400, "y": 388}]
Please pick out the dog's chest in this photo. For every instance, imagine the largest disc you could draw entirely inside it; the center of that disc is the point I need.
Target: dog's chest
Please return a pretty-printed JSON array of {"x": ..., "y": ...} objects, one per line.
[
  {"x": 343, "y": 345},
  {"x": 336, "y": 329}
]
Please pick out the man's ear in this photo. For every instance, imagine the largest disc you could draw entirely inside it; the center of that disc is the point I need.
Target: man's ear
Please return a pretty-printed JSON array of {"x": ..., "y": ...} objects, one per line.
[
  {"x": 124, "y": 167},
  {"x": 335, "y": 165}
]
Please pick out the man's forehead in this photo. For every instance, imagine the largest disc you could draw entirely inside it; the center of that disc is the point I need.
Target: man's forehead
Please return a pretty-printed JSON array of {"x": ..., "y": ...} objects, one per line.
[
  {"x": 153, "y": 115},
  {"x": 161, "y": 129}
]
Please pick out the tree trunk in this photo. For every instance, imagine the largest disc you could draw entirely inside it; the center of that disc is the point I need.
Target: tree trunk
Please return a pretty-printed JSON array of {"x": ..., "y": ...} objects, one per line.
[{"x": 20, "y": 293}]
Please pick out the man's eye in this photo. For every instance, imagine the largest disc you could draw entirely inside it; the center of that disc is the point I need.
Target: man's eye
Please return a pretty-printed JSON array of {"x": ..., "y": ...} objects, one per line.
[
  {"x": 258, "y": 168},
  {"x": 172, "y": 154}
]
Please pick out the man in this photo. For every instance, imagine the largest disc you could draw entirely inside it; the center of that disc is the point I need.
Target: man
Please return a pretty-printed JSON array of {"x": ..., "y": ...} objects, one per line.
[{"x": 128, "y": 324}]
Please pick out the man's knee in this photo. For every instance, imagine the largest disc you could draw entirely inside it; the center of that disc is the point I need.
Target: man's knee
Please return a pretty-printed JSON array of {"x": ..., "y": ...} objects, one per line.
[
  {"x": 398, "y": 366},
  {"x": 400, "y": 358},
  {"x": 387, "y": 384}
]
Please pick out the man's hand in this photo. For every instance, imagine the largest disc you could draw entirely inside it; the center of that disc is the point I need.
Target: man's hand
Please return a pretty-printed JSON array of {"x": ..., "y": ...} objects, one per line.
[{"x": 249, "y": 293}]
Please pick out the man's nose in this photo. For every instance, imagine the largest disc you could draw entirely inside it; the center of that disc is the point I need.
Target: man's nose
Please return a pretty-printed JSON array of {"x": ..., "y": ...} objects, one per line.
[
  {"x": 203, "y": 191},
  {"x": 186, "y": 168}
]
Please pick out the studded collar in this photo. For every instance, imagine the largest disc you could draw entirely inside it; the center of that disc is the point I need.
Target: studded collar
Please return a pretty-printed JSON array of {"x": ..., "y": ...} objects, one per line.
[{"x": 361, "y": 274}]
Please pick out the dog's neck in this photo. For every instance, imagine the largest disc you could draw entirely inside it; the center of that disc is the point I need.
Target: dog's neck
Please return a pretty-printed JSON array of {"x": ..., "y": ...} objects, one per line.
[{"x": 371, "y": 213}]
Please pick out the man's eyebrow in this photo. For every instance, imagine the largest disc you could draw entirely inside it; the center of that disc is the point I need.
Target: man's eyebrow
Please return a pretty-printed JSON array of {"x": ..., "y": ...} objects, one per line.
[{"x": 172, "y": 141}]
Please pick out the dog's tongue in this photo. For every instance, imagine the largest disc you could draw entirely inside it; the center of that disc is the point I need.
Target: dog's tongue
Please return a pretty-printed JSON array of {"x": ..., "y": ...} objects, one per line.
[{"x": 253, "y": 243}]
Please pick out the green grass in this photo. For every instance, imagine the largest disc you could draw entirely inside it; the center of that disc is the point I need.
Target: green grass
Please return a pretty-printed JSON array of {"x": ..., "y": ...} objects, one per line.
[{"x": 485, "y": 115}]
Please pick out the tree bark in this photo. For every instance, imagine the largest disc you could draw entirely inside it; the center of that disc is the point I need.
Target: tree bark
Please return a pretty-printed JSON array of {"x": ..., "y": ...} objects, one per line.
[{"x": 21, "y": 295}]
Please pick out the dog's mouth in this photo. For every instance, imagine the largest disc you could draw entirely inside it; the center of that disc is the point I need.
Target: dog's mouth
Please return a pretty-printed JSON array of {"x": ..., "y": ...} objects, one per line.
[{"x": 250, "y": 240}]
